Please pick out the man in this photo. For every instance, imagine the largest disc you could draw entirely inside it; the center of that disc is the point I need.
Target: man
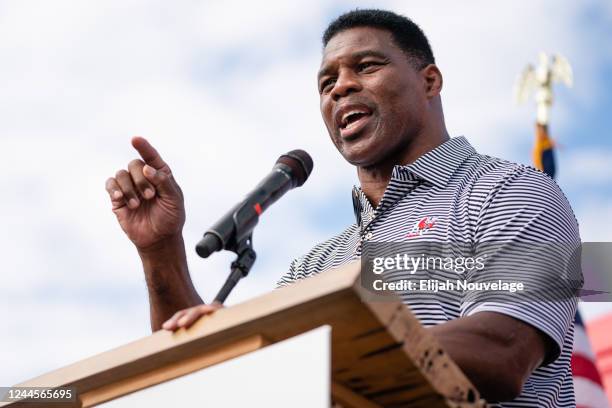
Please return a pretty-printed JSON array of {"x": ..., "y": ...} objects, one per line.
[{"x": 380, "y": 101}]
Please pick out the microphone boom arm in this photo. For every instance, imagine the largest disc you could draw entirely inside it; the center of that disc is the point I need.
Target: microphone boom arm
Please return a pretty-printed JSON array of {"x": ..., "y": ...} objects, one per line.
[{"x": 240, "y": 268}]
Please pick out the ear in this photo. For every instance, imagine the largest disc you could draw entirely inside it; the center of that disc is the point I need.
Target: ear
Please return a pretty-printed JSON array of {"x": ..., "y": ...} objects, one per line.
[{"x": 433, "y": 80}]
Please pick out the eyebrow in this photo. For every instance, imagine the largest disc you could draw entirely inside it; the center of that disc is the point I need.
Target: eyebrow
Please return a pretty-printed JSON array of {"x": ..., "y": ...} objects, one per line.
[{"x": 357, "y": 55}]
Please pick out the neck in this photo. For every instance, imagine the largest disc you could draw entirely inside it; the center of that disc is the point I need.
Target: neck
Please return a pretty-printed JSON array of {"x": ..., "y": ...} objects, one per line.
[{"x": 375, "y": 179}]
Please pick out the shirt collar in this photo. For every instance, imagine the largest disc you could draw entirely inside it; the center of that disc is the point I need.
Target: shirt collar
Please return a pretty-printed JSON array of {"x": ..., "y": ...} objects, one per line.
[{"x": 436, "y": 166}]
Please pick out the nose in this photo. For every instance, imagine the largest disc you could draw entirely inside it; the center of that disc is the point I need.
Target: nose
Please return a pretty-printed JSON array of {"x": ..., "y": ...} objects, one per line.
[{"x": 346, "y": 83}]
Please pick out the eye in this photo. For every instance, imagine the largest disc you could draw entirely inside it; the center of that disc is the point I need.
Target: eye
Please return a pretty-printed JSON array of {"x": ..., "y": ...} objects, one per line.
[
  {"x": 367, "y": 66},
  {"x": 326, "y": 85}
]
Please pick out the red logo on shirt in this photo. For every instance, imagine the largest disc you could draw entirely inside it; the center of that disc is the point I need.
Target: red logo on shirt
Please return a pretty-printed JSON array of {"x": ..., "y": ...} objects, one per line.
[{"x": 421, "y": 226}]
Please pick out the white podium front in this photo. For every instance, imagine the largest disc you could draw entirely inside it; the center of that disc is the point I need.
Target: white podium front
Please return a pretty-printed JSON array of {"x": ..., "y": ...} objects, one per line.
[{"x": 292, "y": 373}]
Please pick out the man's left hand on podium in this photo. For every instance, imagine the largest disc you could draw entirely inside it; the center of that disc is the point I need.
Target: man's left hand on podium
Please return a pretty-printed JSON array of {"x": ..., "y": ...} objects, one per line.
[{"x": 186, "y": 317}]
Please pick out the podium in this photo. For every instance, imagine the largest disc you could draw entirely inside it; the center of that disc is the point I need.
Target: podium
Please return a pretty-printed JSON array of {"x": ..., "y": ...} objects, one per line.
[{"x": 381, "y": 356}]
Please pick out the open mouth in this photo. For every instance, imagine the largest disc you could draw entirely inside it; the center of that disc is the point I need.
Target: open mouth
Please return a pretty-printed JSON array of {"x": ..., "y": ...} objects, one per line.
[
  {"x": 353, "y": 121},
  {"x": 351, "y": 118}
]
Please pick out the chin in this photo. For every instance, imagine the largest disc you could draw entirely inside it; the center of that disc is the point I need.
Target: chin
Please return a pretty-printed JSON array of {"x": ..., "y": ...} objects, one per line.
[
  {"x": 362, "y": 153},
  {"x": 361, "y": 158}
]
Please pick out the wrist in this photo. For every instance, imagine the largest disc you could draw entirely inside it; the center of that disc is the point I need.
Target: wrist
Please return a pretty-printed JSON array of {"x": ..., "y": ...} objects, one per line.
[
  {"x": 167, "y": 246},
  {"x": 165, "y": 266}
]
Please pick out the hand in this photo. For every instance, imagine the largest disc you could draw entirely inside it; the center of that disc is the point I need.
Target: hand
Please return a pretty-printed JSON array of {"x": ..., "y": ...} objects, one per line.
[
  {"x": 186, "y": 317},
  {"x": 147, "y": 201}
]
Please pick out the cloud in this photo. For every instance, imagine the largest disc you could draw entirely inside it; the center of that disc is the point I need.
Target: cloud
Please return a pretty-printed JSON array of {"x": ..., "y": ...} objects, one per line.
[{"x": 48, "y": 333}]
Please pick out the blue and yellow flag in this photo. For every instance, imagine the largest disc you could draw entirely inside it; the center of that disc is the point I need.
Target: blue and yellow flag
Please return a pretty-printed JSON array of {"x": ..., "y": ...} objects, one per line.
[{"x": 543, "y": 151}]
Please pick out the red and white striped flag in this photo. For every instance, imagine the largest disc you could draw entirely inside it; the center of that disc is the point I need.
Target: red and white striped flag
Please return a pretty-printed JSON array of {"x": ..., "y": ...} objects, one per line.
[{"x": 587, "y": 381}]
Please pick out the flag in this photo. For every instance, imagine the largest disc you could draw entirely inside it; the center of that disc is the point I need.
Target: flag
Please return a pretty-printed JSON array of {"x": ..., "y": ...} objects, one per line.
[
  {"x": 543, "y": 151},
  {"x": 588, "y": 386}
]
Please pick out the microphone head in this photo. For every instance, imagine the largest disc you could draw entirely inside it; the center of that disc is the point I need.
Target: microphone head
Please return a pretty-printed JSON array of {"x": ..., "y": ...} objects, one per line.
[{"x": 300, "y": 163}]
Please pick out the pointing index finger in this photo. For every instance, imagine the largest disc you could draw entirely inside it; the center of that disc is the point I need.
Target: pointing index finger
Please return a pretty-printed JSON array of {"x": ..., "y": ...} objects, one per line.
[{"x": 148, "y": 153}]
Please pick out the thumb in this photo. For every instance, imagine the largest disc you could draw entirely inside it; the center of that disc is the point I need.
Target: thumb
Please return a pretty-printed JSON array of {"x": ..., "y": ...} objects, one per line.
[{"x": 160, "y": 179}]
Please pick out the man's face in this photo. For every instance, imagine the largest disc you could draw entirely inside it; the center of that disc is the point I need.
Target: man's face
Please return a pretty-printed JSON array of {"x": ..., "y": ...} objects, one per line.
[{"x": 372, "y": 99}]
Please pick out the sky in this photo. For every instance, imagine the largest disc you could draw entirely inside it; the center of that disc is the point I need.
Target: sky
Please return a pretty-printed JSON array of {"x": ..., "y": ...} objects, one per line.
[{"x": 222, "y": 89}]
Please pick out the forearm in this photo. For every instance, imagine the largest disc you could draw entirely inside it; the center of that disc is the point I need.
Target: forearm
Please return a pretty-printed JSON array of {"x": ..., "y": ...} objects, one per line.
[
  {"x": 168, "y": 281},
  {"x": 483, "y": 366},
  {"x": 496, "y": 352}
]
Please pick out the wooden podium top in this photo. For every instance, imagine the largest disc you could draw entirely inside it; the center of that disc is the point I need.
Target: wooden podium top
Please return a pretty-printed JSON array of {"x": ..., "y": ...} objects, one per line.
[{"x": 381, "y": 355}]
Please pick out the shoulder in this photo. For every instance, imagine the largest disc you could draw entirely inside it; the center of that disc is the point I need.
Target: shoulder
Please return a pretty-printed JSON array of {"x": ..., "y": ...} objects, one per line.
[
  {"x": 492, "y": 174},
  {"x": 520, "y": 196},
  {"x": 325, "y": 255}
]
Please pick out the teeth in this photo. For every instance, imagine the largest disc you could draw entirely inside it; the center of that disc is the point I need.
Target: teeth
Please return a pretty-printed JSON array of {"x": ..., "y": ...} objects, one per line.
[{"x": 349, "y": 113}]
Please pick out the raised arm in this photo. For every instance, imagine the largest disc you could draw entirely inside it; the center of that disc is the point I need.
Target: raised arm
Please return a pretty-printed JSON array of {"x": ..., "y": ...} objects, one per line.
[{"x": 149, "y": 207}]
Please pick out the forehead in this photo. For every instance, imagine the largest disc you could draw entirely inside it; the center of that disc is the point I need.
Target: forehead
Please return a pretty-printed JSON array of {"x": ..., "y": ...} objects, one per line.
[{"x": 354, "y": 41}]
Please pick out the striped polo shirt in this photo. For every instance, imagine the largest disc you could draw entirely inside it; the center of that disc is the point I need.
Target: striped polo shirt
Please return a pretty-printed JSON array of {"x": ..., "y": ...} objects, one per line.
[{"x": 454, "y": 194}]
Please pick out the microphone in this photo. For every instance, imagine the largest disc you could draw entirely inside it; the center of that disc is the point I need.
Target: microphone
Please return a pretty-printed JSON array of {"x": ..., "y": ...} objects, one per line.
[{"x": 291, "y": 170}]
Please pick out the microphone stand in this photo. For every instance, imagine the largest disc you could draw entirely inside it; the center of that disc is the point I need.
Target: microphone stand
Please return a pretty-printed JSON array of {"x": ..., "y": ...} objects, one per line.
[{"x": 239, "y": 268}]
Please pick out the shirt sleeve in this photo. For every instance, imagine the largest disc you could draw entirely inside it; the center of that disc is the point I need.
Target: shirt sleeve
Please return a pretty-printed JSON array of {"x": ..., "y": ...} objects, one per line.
[
  {"x": 290, "y": 276},
  {"x": 526, "y": 232}
]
